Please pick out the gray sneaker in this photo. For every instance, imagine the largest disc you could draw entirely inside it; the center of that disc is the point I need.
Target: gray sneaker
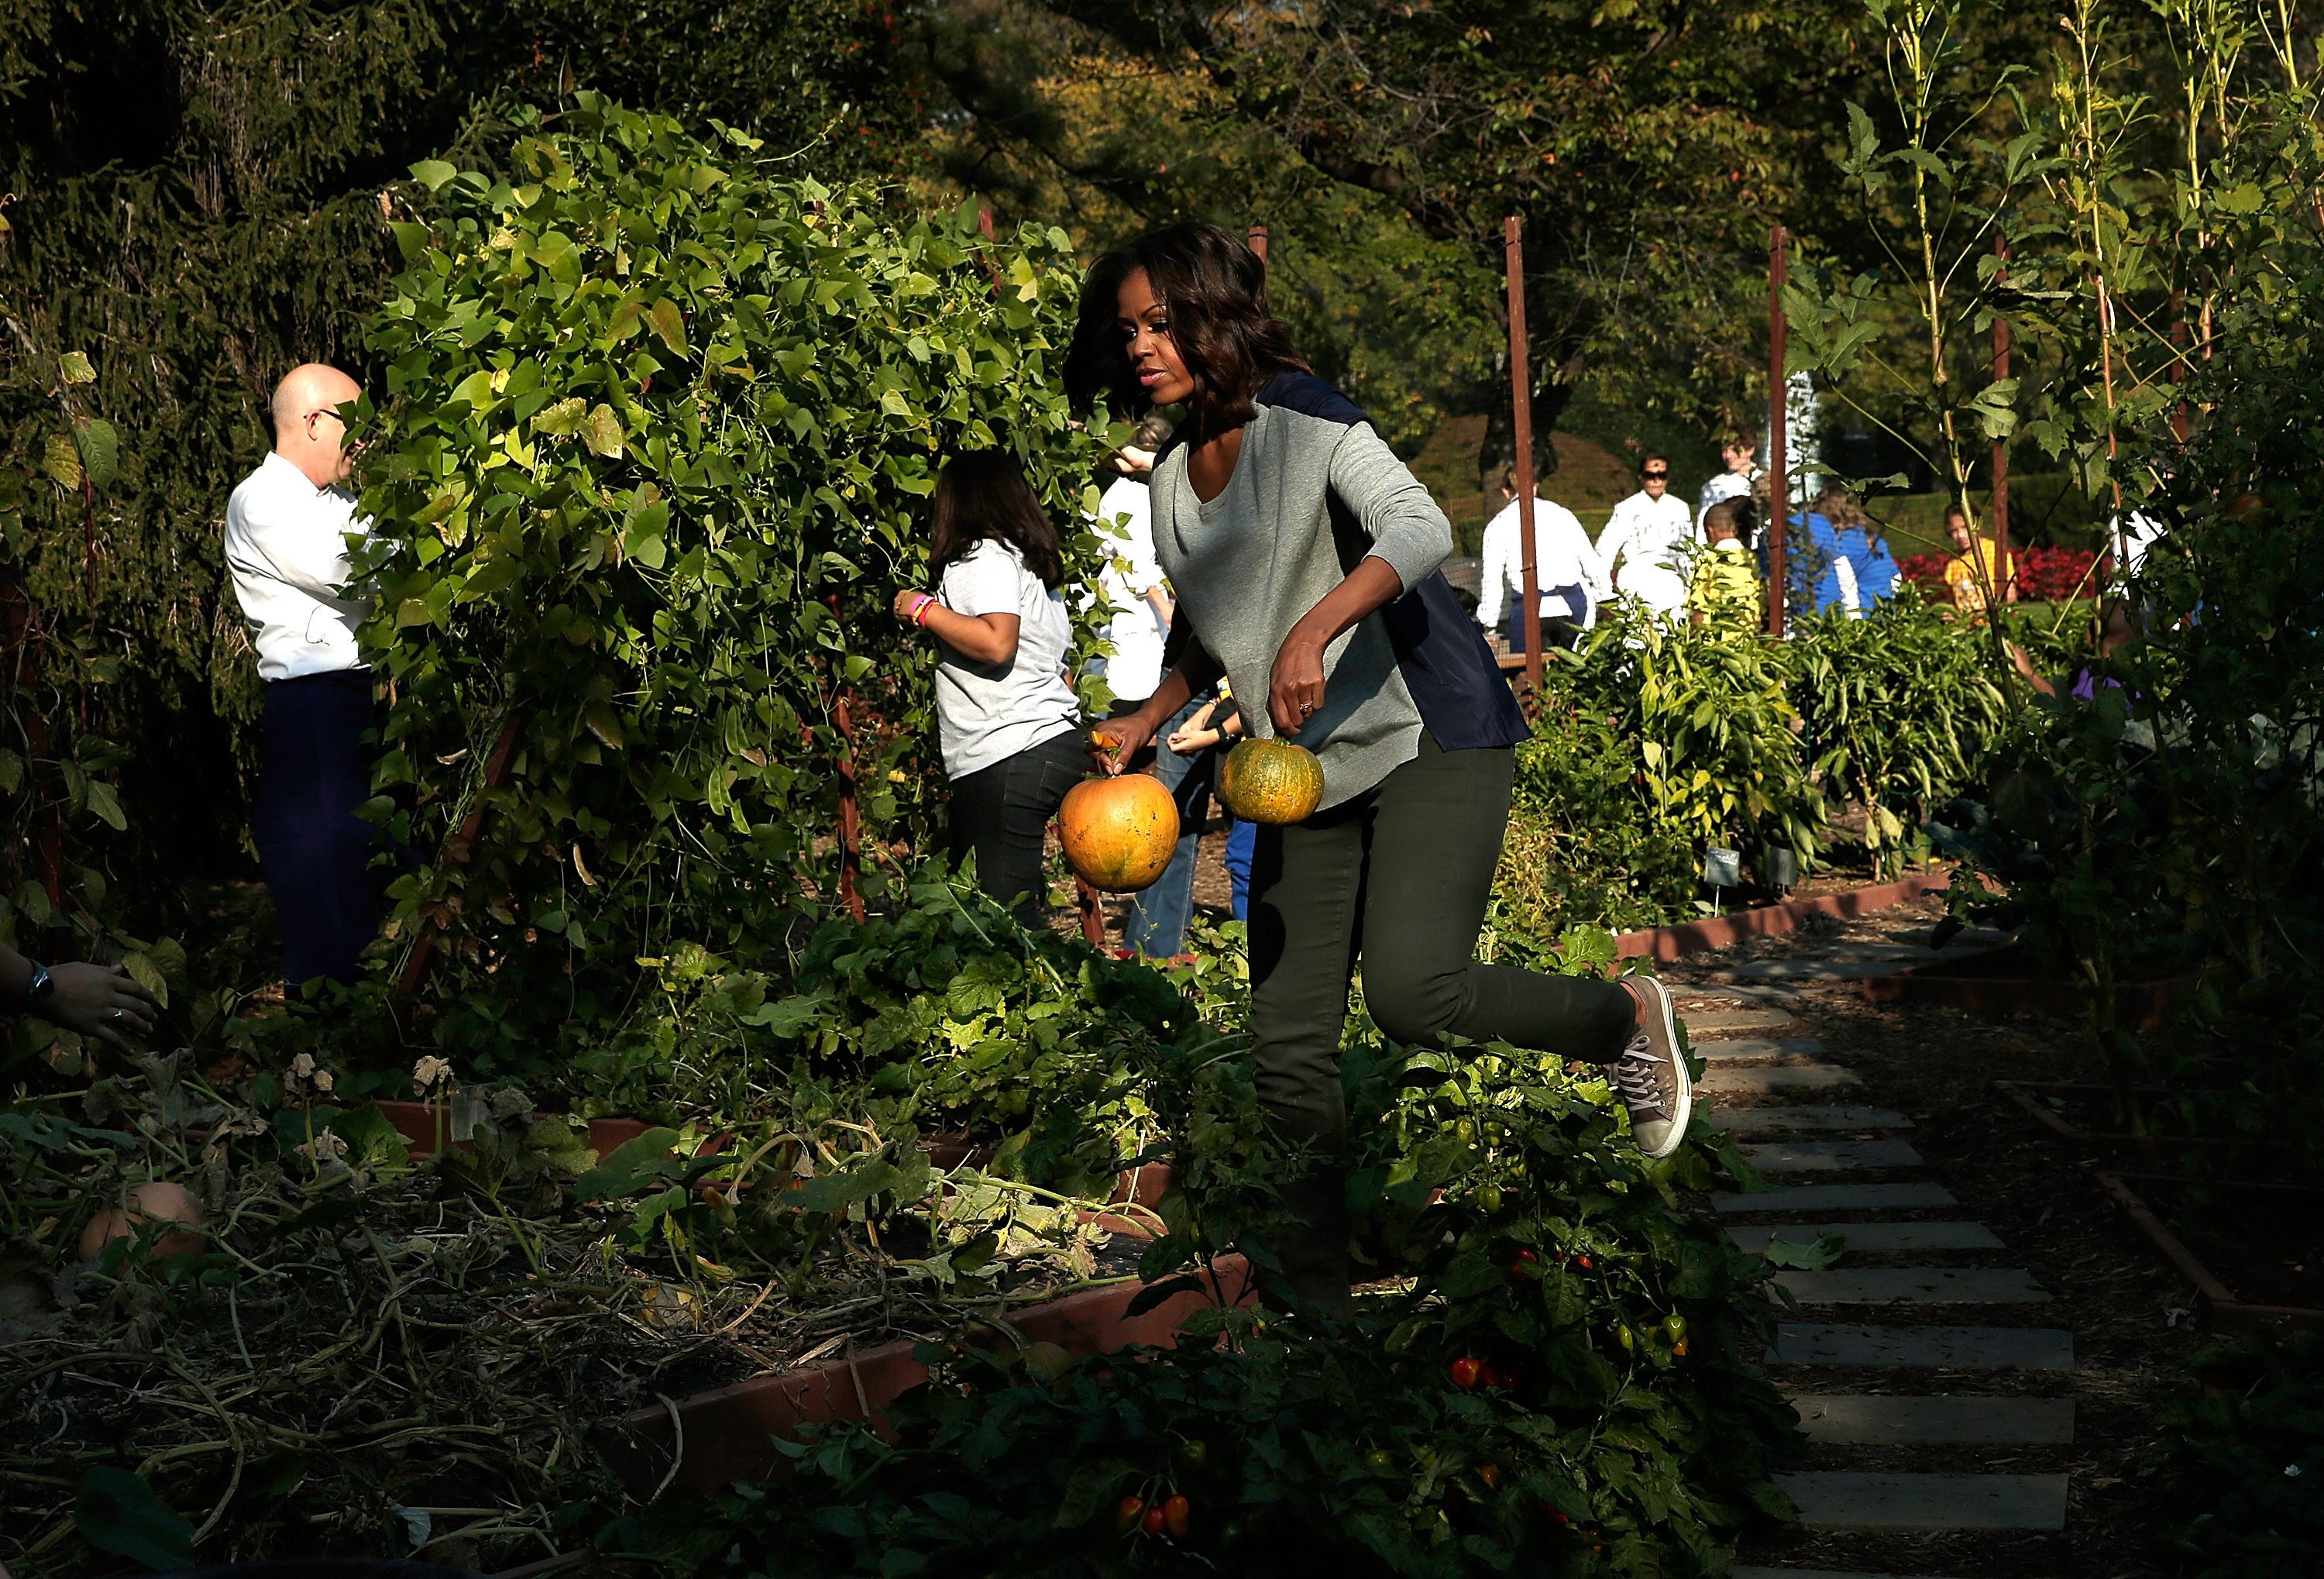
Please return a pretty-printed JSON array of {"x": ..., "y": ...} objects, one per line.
[{"x": 1652, "y": 1076}]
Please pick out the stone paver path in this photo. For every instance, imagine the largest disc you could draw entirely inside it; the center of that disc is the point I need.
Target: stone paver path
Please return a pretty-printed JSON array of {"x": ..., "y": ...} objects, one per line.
[{"x": 1917, "y": 1350}]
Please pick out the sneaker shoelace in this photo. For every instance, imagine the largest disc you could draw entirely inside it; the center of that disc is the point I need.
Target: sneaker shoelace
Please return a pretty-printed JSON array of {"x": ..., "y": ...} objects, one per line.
[{"x": 1634, "y": 1074}]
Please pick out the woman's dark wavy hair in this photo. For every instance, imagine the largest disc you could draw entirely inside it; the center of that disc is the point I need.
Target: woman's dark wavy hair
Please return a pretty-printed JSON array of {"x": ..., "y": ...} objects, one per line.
[
  {"x": 1215, "y": 288},
  {"x": 985, "y": 494}
]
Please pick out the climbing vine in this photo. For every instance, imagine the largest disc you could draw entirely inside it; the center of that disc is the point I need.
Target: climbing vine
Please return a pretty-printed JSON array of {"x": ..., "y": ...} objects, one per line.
[{"x": 660, "y": 426}]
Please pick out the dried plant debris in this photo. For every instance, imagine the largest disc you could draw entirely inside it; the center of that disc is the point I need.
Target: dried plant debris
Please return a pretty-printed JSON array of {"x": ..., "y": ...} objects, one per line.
[{"x": 280, "y": 1337}]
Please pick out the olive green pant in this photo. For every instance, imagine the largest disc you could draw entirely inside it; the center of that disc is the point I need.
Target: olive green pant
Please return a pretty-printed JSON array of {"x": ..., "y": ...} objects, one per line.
[{"x": 1397, "y": 876}]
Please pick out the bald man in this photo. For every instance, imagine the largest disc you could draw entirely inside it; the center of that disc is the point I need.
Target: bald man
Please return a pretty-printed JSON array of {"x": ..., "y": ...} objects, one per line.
[{"x": 286, "y": 543}]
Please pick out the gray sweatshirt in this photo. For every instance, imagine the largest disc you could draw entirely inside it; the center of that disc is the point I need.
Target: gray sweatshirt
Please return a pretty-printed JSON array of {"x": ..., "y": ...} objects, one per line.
[{"x": 1311, "y": 497}]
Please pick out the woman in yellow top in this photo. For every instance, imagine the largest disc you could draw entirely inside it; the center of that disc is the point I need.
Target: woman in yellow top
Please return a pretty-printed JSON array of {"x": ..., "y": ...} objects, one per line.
[{"x": 1972, "y": 579}]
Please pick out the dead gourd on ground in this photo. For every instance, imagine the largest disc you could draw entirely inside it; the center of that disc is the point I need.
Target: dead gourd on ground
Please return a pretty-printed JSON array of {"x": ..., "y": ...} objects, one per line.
[
  {"x": 1271, "y": 781},
  {"x": 1118, "y": 833}
]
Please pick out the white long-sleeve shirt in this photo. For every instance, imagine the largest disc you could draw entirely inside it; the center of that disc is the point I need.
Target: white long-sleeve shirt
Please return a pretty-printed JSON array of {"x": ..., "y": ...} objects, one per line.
[
  {"x": 286, "y": 547},
  {"x": 1129, "y": 576},
  {"x": 1641, "y": 548},
  {"x": 1562, "y": 558},
  {"x": 1726, "y": 485}
]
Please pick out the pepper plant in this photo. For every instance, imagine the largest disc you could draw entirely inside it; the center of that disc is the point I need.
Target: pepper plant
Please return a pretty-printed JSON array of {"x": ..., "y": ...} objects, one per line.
[
  {"x": 660, "y": 423},
  {"x": 1718, "y": 732},
  {"x": 1901, "y": 707}
]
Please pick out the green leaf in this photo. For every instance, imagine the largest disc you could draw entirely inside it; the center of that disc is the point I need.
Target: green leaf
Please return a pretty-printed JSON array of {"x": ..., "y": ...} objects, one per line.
[
  {"x": 105, "y": 804},
  {"x": 476, "y": 389},
  {"x": 646, "y": 1157},
  {"x": 1992, "y": 405},
  {"x": 75, "y": 368},
  {"x": 562, "y": 419},
  {"x": 668, "y": 325},
  {"x": 146, "y": 974},
  {"x": 432, "y": 173},
  {"x": 602, "y": 433},
  {"x": 117, "y": 1512},
  {"x": 1807, "y": 1258},
  {"x": 1092, "y": 1491},
  {"x": 62, "y": 461}
]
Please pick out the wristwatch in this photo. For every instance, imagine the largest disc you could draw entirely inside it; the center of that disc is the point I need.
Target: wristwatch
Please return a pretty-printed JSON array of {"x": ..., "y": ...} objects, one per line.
[{"x": 38, "y": 993}]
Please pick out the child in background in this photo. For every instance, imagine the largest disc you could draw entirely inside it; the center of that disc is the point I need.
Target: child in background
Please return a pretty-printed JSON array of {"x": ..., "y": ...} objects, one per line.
[
  {"x": 1215, "y": 724},
  {"x": 1725, "y": 591},
  {"x": 1972, "y": 574},
  {"x": 1007, "y": 721}
]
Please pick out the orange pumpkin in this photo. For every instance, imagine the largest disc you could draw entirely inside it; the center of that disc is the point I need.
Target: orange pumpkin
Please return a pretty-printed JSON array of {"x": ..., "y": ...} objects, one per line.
[
  {"x": 1118, "y": 833},
  {"x": 159, "y": 1202},
  {"x": 1271, "y": 781}
]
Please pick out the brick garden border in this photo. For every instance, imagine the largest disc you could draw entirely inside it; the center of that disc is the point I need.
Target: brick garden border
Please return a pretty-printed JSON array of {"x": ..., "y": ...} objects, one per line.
[{"x": 1666, "y": 942}]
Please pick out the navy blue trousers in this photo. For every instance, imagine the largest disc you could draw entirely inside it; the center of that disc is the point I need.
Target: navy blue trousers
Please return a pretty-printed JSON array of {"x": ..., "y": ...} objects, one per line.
[{"x": 316, "y": 851}]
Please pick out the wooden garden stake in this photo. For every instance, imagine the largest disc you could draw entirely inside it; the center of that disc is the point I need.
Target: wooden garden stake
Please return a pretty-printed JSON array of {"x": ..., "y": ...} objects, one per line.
[
  {"x": 2178, "y": 360},
  {"x": 851, "y": 855},
  {"x": 460, "y": 845},
  {"x": 1521, "y": 412},
  {"x": 1779, "y": 414},
  {"x": 1259, "y": 243},
  {"x": 2001, "y": 445}
]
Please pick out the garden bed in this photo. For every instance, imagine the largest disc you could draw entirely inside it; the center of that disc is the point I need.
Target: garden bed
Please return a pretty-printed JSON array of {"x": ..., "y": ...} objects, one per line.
[
  {"x": 2006, "y": 981},
  {"x": 726, "y": 1434},
  {"x": 2237, "y": 1236},
  {"x": 2069, "y": 1111}
]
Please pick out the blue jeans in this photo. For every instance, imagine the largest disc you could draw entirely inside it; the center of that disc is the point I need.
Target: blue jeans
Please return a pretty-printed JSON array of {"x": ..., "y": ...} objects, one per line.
[
  {"x": 1157, "y": 927},
  {"x": 1241, "y": 840}
]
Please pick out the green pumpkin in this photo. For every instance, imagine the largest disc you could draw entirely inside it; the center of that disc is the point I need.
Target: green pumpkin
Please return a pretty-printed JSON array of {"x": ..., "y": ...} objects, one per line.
[{"x": 1271, "y": 781}]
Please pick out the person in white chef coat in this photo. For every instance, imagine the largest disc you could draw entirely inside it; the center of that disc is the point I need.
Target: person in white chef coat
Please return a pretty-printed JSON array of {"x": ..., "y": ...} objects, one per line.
[
  {"x": 1646, "y": 538},
  {"x": 1569, "y": 577}
]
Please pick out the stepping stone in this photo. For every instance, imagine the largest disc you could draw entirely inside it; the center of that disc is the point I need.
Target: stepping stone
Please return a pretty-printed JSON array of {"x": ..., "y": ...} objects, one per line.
[
  {"x": 1737, "y": 993},
  {"x": 1735, "y": 1019},
  {"x": 1872, "y": 1236},
  {"x": 1915, "y": 1285},
  {"x": 1967, "y": 1348},
  {"x": 1797, "y": 1049},
  {"x": 1749, "y": 1572},
  {"x": 1871, "y": 1419},
  {"x": 1863, "y": 1197},
  {"x": 1745, "y": 1121},
  {"x": 1829, "y": 1156},
  {"x": 1817, "y": 970},
  {"x": 1784, "y": 1077},
  {"x": 1884, "y": 948},
  {"x": 1845, "y": 1500}
]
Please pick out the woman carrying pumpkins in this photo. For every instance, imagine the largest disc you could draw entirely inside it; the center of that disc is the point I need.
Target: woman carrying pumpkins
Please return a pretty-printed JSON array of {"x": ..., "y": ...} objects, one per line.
[{"x": 1305, "y": 557}]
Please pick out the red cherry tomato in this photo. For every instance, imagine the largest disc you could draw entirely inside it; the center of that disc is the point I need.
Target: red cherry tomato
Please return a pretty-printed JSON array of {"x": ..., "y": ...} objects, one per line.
[
  {"x": 1154, "y": 1522},
  {"x": 1467, "y": 1372},
  {"x": 1176, "y": 1512}
]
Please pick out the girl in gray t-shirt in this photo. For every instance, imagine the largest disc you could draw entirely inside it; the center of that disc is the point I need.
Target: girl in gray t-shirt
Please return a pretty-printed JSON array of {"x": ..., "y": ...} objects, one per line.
[{"x": 1009, "y": 724}]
